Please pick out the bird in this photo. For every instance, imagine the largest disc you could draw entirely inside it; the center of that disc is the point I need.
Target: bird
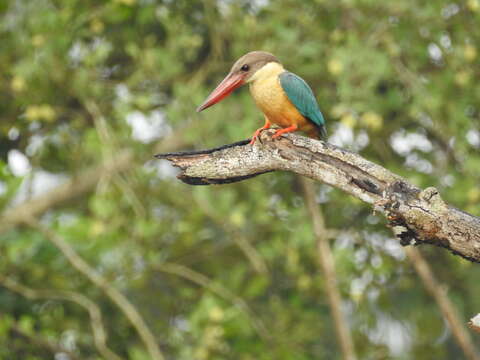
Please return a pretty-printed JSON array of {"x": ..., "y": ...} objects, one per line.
[{"x": 285, "y": 99}]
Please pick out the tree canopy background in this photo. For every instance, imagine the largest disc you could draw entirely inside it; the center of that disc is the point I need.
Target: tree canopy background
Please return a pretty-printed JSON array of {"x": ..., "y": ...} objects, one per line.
[{"x": 227, "y": 272}]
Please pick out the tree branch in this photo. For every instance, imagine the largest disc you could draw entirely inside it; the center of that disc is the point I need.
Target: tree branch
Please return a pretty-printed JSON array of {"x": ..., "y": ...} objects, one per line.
[
  {"x": 72, "y": 188},
  {"x": 417, "y": 216},
  {"x": 327, "y": 264},
  {"x": 447, "y": 308},
  {"x": 127, "y": 308},
  {"x": 79, "y": 185},
  {"x": 99, "y": 333}
]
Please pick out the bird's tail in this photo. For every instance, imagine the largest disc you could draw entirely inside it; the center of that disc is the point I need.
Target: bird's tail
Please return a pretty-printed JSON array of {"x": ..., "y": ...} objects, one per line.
[{"x": 318, "y": 132}]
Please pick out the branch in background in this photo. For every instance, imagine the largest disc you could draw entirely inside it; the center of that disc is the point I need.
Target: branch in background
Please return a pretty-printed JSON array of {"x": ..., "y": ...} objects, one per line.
[
  {"x": 99, "y": 334},
  {"x": 417, "y": 216},
  {"x": 327, "y": 265},
  {"x": 117, "y": 297},
  {"x": 78, "y": 185},
  {"x": 71, "y": 189},
  {"x": 202, "y": 280},
  {"x": 438, "y": 292}
]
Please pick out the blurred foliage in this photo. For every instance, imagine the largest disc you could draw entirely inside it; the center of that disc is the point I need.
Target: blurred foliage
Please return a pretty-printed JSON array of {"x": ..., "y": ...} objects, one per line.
[{"x": 81, "y": 80}]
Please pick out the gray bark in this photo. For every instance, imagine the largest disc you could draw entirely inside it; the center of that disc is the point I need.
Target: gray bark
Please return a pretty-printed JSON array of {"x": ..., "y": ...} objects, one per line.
[{"x": 416, "y": 216}]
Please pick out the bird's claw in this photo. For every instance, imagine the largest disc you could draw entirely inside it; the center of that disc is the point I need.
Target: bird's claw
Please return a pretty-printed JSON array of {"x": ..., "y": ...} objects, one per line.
[
  {"x": 282, "y": 131},
  {"x": 256, "y": 136}
]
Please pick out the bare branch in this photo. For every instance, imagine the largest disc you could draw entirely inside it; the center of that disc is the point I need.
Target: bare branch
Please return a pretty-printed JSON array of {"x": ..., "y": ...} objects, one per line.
[
  {"x": 416, "y": 216},
  {"x": 99, "y": 334},
  {"x": 327, "y": 264},
  {"x": 439, "y": 294},
  {"x": 116, "y": 296}
]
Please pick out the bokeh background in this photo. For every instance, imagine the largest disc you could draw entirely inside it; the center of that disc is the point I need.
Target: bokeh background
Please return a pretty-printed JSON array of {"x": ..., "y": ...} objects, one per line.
[{"x": 109, "y": 256}]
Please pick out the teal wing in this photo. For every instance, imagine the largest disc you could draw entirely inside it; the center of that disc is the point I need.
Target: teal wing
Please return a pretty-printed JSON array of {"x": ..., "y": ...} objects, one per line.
[{"x": 301, "y": 95}]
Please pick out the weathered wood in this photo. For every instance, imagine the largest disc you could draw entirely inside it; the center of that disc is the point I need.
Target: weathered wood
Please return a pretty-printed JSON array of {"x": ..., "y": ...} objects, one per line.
[{"x": 416, "y": 216}]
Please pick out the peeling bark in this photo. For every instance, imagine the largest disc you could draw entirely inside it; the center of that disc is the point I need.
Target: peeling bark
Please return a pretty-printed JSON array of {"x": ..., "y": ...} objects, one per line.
[{"x": 416, "y": 216}]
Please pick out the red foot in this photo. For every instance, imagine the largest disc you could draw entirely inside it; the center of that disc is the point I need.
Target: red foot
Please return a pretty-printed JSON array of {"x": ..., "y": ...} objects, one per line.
[
  {"x": 283, "y": 131},
  {"x": 257, "y": 133}
]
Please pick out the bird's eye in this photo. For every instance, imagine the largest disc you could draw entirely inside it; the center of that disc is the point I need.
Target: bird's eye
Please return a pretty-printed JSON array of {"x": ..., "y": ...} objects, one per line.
[{"x": 245, "y": 67}]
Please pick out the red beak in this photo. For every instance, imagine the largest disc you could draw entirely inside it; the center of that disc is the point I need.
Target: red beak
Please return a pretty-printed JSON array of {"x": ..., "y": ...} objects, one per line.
[{"x": 225, "y": 88}]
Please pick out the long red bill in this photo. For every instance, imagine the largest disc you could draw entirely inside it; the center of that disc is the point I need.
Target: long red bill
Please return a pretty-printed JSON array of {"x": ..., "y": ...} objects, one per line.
[{"x": 225, "y": 88}]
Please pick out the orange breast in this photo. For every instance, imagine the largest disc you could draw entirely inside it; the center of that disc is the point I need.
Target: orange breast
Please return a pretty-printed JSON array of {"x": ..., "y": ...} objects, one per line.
[{"x": 273, "y": 102}]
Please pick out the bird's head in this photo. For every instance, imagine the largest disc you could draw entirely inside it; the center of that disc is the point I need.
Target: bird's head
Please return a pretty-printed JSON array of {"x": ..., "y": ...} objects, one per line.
[{"x": 242, "y": 72}]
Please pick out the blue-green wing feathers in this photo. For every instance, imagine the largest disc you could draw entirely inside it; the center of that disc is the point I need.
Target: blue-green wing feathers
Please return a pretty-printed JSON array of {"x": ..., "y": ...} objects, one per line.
[{"x": 301, "y": 96}]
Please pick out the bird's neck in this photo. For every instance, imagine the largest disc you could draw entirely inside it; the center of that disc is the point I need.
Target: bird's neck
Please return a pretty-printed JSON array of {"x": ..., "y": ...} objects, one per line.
[{"x": 265, "y": 72}]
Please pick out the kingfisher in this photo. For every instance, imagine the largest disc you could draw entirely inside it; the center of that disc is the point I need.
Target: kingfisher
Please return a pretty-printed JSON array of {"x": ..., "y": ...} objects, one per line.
[{"x": 285, "y": 99}]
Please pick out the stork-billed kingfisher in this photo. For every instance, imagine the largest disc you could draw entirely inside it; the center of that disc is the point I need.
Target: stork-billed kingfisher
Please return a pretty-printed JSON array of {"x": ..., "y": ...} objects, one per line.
[{"x": 284, "y": 98}]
